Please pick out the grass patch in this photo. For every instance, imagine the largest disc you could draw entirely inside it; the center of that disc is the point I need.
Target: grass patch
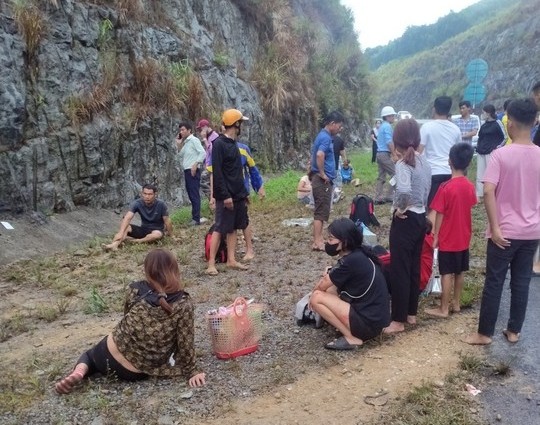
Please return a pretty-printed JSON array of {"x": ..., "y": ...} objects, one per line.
[{"x": 95, "y": 303}]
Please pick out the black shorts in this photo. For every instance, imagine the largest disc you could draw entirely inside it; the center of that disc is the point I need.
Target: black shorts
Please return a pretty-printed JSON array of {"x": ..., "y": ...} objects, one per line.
[
  {"x": 100, "y": 360},
  {"x": 453, "y": 262},
  {"x": 227, "y": 221},
  {"x": 139, "y": 232},
  {"x": 360, "y": 328}
]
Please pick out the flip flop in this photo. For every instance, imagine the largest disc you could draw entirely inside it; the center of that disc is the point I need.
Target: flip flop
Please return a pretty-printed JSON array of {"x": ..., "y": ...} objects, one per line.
[
  {"x": 507, "y": 333},
  {"x": 341, "y": 344}
]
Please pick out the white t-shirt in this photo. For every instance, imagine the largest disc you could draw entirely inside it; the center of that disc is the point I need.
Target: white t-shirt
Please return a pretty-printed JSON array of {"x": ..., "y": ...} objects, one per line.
[{"x": 437, "y": 137}]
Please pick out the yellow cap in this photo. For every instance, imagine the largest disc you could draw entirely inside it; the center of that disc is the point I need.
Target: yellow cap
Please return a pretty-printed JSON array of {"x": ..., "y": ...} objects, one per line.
[{"x": 231, "y": 116}]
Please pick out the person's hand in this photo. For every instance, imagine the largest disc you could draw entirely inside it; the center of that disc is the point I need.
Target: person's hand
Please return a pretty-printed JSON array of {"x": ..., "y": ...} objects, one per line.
[
  {"x": 194, "y": 169},
  {"x": 228, "y": 203},
  {"x": 400, "y": 214},
  {"x": 435, "y": 241},
  {"x": 262, "y": 193},
  {"x": 498, "y": 239},
  {"x": 325, "y": 178},
  {"x": 197, "y": 380},
  {"x": 212, "y": 204}
]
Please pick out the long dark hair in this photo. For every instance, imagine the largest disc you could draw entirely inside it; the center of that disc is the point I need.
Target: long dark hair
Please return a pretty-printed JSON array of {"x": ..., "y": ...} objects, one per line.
[
  {"x": 163, "y": 275},
  {"x": 490, "y": 110},
  {"x": 351, "y": 237},
  {"x": 407, "y": 138}
]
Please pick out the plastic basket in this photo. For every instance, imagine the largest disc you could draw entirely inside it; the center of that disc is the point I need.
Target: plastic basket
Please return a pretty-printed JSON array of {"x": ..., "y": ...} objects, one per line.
[{"x": 237, "y": 331}]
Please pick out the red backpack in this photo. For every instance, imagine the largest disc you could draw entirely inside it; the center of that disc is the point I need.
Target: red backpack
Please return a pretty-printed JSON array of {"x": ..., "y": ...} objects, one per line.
[{"x": 221, "y": 254}]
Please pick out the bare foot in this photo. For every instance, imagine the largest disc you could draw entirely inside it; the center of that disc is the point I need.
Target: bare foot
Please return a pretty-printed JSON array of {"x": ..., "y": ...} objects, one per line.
[
  {"x": 436, "y": 312},
  {"x": 455, "y": 308},
  {"x": 477, "y": 339},
  {"x": 109, "y": 247},
  {"x": 248, "y": 257},
  {"x": 394, "y": 327},
  {"x": 512, "y": 337},
  {"x": 411, "y": 320},
  {"x": 211, "y": 271},
  {"x": 236, "y": 266}
]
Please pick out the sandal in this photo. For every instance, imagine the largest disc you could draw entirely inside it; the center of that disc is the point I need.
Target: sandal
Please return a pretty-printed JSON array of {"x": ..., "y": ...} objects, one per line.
[{"x": 341, "y": 344}]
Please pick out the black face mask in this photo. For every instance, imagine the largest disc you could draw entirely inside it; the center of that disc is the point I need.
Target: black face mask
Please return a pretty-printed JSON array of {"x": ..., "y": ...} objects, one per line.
[{"x": 332, "y": 249}]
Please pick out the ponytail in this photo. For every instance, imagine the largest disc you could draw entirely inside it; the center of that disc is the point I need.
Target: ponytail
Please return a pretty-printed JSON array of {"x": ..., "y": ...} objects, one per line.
[{"x": 409, "y": 156}]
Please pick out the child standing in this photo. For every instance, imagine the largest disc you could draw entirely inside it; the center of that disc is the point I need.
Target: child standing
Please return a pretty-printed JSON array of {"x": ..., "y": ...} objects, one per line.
[
  {"x": 512, "y": 200},
  {"x": 347, "y": 172},
  {"x": 452, "y": 232}
]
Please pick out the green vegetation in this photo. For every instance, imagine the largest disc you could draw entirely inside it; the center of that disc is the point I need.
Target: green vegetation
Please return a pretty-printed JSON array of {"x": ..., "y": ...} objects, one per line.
[{"x": 96, "y": 304}]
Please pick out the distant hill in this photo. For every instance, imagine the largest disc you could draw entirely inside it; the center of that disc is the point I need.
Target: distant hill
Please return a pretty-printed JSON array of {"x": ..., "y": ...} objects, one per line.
[
  {"x": 507, "y": 40},
  {"x": 419, "y": 38}
]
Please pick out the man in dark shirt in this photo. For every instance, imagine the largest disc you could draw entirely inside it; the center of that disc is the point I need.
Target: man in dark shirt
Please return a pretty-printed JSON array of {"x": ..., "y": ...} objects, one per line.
[
  {"x": 228, "y": 189},
  {"x": 155, "y": 221}
]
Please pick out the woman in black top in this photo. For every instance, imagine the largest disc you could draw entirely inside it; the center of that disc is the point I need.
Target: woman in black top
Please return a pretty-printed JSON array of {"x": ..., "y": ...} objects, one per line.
[
  {"x": 490, "y": 136},
  {"x": 352, "y": 296}
]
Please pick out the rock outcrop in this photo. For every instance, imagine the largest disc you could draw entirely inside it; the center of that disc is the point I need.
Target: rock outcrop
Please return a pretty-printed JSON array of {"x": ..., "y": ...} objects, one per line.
[{"x": 91, "y": 94}]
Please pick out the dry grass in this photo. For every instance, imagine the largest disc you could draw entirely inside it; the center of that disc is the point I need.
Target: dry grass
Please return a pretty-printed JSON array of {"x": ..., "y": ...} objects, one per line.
[{"x": 30, "y": 23}]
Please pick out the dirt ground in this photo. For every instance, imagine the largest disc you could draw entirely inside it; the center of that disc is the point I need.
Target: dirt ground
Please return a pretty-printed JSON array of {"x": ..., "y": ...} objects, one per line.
[{"x": 290, "y": 379}]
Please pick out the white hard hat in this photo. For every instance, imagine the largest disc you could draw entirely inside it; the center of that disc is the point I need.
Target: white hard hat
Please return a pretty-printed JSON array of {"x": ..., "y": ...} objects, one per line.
[{"x": 387, "y": 110}]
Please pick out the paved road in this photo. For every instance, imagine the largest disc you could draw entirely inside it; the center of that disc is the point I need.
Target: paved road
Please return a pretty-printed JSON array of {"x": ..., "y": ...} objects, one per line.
[{"x": 516, "y": 398}]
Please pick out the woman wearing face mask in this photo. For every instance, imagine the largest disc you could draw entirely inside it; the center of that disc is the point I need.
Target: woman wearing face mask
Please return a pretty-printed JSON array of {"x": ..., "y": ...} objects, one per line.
[{"x": 352, "y": 296}]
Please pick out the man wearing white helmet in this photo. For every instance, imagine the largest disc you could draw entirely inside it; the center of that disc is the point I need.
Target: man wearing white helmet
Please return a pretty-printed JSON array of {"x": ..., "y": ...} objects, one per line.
[
  {"x": 229, "y": 190},
  {"x": 385, "y": 155}
]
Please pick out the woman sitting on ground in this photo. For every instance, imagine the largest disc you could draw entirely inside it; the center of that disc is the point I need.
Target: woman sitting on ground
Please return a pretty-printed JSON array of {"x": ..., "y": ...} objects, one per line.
[
  {"x": 157, "y": 323},
  {"x": 352, "y": 296}
]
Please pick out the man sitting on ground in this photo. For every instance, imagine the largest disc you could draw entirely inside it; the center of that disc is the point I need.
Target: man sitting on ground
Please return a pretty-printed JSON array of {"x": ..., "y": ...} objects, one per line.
[{"x": 155, "y": 221}]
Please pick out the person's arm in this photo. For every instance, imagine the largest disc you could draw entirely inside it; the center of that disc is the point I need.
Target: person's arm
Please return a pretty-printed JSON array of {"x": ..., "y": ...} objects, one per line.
[
  {"x": 491, "y": 210},
  {"x": 168, "y": 225},
  {"x": 324, "y": 282},
  {"x": 320, "y": 166},
  {"x": 436, "y": 228},
  {"x": 219, "y": 188},
  {"x": 185, "y": 347},
  {"x": 124, "y": 225}
]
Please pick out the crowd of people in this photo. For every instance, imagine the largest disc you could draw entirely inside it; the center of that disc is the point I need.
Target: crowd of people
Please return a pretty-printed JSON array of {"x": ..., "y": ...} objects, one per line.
[{"x": 429, "y": 192}]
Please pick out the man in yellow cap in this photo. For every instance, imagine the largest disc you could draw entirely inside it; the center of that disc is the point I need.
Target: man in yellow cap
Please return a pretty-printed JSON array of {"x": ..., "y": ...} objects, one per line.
[{"x": 229, "y": 190}]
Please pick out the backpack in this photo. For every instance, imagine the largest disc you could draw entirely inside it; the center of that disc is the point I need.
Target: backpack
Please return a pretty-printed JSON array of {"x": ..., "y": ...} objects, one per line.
[
  {"x": 362, "y": 210},
  {"x": 221, "y": 254}
]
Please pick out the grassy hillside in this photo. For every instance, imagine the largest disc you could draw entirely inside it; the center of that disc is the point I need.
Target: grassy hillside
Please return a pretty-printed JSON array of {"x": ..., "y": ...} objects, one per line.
[{"x": 507, "y": 41}]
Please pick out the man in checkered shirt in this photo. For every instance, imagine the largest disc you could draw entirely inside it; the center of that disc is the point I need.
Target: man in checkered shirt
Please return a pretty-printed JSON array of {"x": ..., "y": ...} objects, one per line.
[{"x": 467, "y": 125}]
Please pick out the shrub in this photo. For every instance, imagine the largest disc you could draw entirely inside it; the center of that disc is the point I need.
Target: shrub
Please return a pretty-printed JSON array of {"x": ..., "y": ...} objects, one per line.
[{"x": 30, "y": 23}]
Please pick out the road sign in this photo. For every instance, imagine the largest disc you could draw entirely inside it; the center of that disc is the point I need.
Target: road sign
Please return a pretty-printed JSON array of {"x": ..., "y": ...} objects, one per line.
[
  {"x": 476, "y": 70},
  {"x": 475, "y": 93}
]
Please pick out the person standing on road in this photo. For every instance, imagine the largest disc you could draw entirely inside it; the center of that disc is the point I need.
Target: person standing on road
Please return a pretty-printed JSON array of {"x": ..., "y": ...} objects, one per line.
[
  {"x": 385, "y": 155},
  {"x": 322, "y": 173},
  {"x": 229, "y": 190},
  {"x": 191, "y": 156},
  {"x": 490, "y": 136},
  {"x": 512, "y": 201},
  {"x": 467, "y": 125},
  {"x": 408, "y": 228},
  {"x": 437, "y": 138}
]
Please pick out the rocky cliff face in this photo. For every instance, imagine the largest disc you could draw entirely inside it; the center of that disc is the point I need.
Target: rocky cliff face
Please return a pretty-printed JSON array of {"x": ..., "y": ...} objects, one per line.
[
  {"x": 91, "y": 93},
  {"x": 65, "y": 143}
]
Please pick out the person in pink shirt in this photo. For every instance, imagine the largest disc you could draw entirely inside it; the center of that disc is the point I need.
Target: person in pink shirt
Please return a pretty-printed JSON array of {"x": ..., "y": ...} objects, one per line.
[{"x": 512, "y": 201}]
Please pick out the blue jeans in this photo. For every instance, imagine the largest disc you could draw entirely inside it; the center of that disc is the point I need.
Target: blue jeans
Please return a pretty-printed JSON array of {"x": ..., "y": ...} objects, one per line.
[{"x": 519, "y": 256}]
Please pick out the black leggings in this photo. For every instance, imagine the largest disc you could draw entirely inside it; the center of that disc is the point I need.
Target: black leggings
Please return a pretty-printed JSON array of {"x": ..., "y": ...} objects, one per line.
[{"x": 99, "y": 360}]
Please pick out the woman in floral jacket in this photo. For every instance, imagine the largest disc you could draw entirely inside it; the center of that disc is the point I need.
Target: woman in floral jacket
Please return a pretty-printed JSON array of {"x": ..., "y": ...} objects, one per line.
[{"x": 156, "y": 329}]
